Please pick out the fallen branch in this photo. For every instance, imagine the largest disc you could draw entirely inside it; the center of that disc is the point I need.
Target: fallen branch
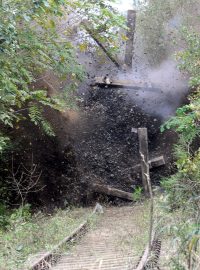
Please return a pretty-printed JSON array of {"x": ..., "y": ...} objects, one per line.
[{"x": 153, "y": 163}]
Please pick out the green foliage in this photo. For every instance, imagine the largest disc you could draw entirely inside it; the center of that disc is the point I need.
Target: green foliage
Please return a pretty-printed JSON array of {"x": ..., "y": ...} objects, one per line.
[
  {"x": 104, "y": 20},
  {"x": 30, "y": 43},
  {"x": 27, "y": 235},
  {"x": 35, "y": 114},
  {"x": 185, "y": 237},
  {"x": 26, "y": 52},
  {"x": 137, "y": 194},
  {"x": 183, "y": 193},
  {"x": 183, "y": 188},
  {"x": 11, "y": 219},
  {"x": 159, "y": 25},
  {"x": 20, "y": 215},
  {"x": 3, "y": 143},
  {"x": 189, "y": 58},
  {"x": 186, "y": 122},
  {"x": 4, "y": 221}
]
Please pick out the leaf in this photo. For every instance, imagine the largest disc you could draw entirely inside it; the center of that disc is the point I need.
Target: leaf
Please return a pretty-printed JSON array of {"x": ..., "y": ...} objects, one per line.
[
  {"x": 124, "y": 37},
  {"x": 83, "y": 47},
  {"x": 26, "y": 17}
]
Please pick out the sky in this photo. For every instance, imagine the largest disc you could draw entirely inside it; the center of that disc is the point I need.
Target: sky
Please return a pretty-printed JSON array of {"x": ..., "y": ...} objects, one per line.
[{"x": 124, "y": 5}]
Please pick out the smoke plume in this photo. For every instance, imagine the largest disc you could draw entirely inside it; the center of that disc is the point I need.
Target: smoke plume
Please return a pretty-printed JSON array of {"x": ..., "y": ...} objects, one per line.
[{"x": 168, "y": 90}]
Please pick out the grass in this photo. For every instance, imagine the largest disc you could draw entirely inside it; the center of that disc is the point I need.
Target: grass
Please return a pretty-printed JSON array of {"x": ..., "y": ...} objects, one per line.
[
  {"x": 163, "y": 221},
  {"x": 140, "y": 220},
  {"x": 37, "y": 234},
  {"x": 40, "y": 232}
]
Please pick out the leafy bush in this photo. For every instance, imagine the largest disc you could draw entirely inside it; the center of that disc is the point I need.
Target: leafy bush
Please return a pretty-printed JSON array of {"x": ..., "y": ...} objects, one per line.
[
  {"x": 28, "y": 236},
  {"x": 137, "y": 194},
  {"x": 26, "y": 52},
  {"x": 31, "y": 43},
  {"x": 3, "y": 217},
  {"x": 9, "y": 219},
  {"x": 34, "y": 39},
  {"x": 159, "y": 23},
  {"x": 183, "y": 188}
]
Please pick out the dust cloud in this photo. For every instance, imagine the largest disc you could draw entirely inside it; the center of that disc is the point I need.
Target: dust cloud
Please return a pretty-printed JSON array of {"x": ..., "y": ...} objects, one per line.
[{"x": 166, "y": 91}]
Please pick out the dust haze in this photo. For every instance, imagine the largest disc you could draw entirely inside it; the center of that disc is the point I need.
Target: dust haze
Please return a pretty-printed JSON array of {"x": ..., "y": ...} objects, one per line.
[{"x": 168, "y": 88}]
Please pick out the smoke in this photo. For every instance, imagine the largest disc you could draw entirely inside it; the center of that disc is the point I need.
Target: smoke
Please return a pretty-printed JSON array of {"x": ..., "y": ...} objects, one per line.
[
  {"x": 166, "y": 91},
  {"x": 102, "y": 129},
  {"x": 168, "y": 87},
  {"x": 171, "y": 88}
]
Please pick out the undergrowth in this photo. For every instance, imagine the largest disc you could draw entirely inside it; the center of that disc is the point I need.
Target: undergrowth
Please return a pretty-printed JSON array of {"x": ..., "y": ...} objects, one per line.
[
  {"x": 25, "y": 234},
  {"x": 183, "y": 188},
  {"x": 180, "y": 211}
]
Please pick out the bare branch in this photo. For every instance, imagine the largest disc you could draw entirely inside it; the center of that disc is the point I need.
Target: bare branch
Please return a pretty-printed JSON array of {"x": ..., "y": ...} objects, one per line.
[{"x": 25, "y": 180}]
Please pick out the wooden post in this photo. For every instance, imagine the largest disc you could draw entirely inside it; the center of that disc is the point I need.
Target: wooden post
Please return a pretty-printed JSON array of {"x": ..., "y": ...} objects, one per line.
[
  {"x": 131, "y": 21},
  {"x": 144, "y": 157}
]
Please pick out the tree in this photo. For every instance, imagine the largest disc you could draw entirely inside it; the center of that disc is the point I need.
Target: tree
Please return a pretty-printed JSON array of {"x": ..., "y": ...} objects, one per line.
[
  {"x": 159, "y": 25},
  {"x": 31, "y": 43},
  {"x": 167, "y": 28}
]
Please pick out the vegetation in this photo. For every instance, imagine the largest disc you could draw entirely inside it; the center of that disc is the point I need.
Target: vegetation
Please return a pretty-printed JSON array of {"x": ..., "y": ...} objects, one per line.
[
  {"x": 159, "y": 25},
  {"x": 28, "y": 47},
  {"x": 30, "y": 234},
  {"x": 183, "y": 188},
  {"x": 36, "y": 37},
  {"x": 31, "y": 43},
  {"x": 34, "y": 40},
  {"x": 137, "y": 194},
  {"x": 166, "y": 27}
]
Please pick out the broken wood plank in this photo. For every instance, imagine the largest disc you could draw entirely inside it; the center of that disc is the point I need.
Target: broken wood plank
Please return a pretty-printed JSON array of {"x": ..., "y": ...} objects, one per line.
[
  {"x": 131, "y": 21},
  {"x": 153, "y": 163},
  {"x": 112, "y": 192},
  {"x": 102, "y": 81},
  {"x": 157, "y": 162}
]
